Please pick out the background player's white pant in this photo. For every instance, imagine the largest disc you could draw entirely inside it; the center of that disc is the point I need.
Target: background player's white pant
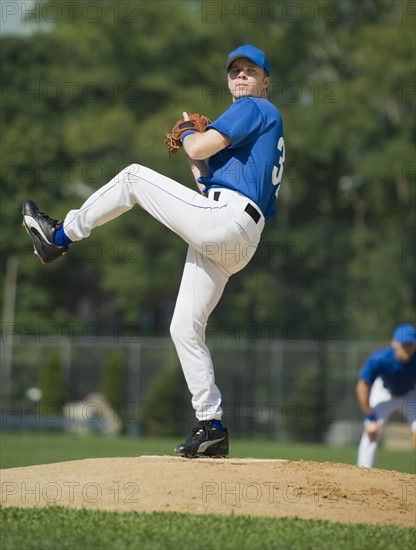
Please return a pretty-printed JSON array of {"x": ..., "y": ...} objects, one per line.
[
  {"x": 384, "y": 404},
  {"x": 222, "y": 239}
]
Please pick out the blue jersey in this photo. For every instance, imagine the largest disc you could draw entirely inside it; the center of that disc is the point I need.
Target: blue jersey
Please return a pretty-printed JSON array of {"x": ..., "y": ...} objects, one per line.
[
  {"x": 397, "y": 377},
  {"x": 253, "y": 163}
]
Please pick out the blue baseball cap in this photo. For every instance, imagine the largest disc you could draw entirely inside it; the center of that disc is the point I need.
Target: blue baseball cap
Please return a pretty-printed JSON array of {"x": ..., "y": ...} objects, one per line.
[
  {"x": 405, "y": 333},
  {"x": 254, "y": 54}
]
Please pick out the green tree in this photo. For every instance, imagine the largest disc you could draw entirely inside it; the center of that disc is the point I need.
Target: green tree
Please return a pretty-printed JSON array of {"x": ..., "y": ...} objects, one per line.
[
  {"x": 113, "y": 381},
  {"x": 83, "y": 97},
  {"x": 307, "y": 422},
  {"x": 164, "y": 406},
  {"x": 52, "y": 386}
]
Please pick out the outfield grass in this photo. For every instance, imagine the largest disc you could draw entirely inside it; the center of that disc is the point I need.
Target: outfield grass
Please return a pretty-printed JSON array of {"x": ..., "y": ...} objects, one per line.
[
  {"x": 53, "y": 528},
  {"x": 29, "y": 448}
]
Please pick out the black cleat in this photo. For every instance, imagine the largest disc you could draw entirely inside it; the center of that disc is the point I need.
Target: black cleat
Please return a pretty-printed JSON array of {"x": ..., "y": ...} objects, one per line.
[
  {"x": 204, "y": 441},
  {"x": 42, "y": 229}
]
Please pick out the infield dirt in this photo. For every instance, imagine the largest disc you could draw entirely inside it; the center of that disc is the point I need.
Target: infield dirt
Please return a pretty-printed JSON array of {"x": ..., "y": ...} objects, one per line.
[{"x": 274, "y": 488}]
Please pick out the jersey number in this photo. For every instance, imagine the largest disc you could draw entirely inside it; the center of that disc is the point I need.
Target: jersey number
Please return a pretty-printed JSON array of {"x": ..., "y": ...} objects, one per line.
[{"x": 277, "y": 173}]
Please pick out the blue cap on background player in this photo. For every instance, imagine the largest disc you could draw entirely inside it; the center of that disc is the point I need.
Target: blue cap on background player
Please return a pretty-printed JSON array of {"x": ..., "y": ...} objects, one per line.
[
  {"x": 405, "y": 333},
  {"x": 254, "y": 54}
]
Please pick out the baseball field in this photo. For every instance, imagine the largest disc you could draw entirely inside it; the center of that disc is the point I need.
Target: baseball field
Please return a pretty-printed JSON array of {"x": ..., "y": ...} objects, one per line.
[{"x": 83, "y": 492}]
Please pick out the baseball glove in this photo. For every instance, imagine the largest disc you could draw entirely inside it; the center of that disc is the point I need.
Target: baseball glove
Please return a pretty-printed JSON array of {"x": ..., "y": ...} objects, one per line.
[{"x": 196, "y": 122}]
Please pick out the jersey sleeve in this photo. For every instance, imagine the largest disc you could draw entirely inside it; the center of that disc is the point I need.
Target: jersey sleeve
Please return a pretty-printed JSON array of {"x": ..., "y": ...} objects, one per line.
[
  {"x": 370, "y": 370},
  {"x": 241, "y": 122}
]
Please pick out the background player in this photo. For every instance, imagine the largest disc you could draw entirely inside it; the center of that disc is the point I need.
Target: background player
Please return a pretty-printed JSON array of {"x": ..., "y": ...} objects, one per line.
[
  {"x": 222, "y": 226},
  {"x": 387, "y": 383}
]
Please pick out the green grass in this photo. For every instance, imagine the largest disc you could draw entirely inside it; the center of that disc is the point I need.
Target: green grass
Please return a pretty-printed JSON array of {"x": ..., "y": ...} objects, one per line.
[
  {"x": 52, "y": 528},
  {"x": 29, "y": 448}
]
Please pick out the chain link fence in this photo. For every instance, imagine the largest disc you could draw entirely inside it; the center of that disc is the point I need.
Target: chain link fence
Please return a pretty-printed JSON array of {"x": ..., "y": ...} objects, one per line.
[{"x": 297, "y": 390}]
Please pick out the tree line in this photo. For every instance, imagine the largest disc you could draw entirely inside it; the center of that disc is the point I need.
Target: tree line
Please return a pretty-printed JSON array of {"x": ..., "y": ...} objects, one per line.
[{"x": 94, "y": 87}]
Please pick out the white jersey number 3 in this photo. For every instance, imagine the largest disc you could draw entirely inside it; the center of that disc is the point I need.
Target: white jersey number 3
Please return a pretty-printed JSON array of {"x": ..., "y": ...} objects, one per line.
[{"x": 277, "y": 173}]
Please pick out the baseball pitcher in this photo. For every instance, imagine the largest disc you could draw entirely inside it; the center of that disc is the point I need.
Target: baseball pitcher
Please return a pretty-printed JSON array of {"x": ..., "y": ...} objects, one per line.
[{"x": 222, "y": 225}]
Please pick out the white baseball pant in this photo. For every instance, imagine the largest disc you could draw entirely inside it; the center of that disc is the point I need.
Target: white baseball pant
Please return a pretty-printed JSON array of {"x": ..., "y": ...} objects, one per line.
[
  {"x": 222, "y": 239},
  {"x": 384, "y": 404}
]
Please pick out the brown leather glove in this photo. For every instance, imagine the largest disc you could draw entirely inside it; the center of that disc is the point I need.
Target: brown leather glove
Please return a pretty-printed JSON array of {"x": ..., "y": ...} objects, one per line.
[{"x": 196, "y": 122}]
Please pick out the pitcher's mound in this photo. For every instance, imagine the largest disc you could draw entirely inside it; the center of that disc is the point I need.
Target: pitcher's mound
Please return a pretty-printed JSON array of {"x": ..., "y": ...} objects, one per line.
[{"x": 276, "y": 488}]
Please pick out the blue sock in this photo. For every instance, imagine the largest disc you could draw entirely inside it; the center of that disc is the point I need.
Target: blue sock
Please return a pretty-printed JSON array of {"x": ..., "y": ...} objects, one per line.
[
  {"x": 217, "y": 425},
  {"x": 61, "y": 238}
]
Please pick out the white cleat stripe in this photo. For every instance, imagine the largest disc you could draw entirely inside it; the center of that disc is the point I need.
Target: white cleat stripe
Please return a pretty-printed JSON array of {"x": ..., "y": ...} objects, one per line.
[
  {"x": 206, "y": 444},
  {"x": 30, "y": 222}
]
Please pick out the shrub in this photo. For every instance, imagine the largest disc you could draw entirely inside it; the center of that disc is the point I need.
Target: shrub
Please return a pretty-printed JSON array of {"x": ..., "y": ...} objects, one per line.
[
  {"x": 165, "y": 404},
  {"x": 308, "y": 423},
  {"x": 52, "y": 385}
]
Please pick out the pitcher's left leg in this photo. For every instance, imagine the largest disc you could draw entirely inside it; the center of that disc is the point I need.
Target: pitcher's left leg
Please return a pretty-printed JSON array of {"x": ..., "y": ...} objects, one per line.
[{"x": 202, "y": 285}]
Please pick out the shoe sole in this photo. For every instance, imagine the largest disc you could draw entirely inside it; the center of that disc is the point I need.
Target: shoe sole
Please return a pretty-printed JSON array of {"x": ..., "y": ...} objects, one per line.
[
  {"x": 212, "y": 453},
  {"x": 36, "y": 241},
  {"x": 185, "y": 455},
  {"x": 33, "y": 237}
]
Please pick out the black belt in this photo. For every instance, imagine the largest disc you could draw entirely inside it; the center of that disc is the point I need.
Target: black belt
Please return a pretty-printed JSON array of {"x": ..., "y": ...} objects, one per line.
[{"x": 251, "y": 211}]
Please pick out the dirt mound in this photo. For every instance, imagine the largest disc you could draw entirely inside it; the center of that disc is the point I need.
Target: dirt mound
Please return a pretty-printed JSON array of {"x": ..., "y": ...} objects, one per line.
[{"x": 275, "y": 488}]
